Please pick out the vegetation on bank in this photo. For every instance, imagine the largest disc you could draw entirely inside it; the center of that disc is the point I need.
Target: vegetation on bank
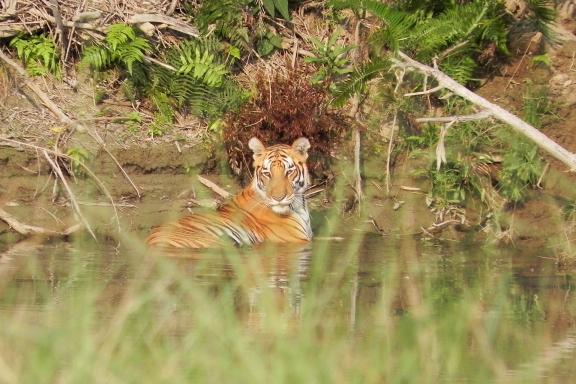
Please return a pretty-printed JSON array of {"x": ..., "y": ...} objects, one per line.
[
  {"x": 371, "y": 309},
  {"x": 252, "y": 70}
]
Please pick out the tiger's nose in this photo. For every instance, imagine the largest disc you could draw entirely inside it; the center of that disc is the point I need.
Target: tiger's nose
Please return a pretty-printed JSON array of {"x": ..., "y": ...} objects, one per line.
[{"x": 279, "y": 197}]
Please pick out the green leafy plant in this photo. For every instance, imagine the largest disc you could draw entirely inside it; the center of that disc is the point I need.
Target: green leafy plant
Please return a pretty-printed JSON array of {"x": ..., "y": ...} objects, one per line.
[
  {"x": 281, "y": 6},
  {"x": 543, "y": 15},
  {"x": 164, "y": 116},
  {"x": 448, "y": 184},
  {"x": 38, "y": 53},
  {"x": 201, "y": 65},
  {"x": 521, "y": 169},
  {"x": 543, "y": 60},
  {"x": 428, "y": 138},
  {"x": 133, "y": 121},
  {"x": 456, "y": 36},
  {"x": 537, "y": 105},
  {"x": 122, "y": 47},
  {"x": 78, "y": 156},
  {"x": 522, "y": 166},
  {"x": 202, "y": 82},
  {"x": 268, "y": 42},
  {"x": 225, "y": 19},
  {"x": 330, "y": 59}
]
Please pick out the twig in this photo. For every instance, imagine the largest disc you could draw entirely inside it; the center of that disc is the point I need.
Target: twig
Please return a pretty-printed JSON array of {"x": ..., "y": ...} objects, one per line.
[
  {"x": 353, "y": 112},
  {"x": 60, "y": 27},
  {"x": 357, "y": 172},
  {"x": 60, "y": 175},
  {"x": 427, "y": 92},
  {"x": 498, "y": 112},
  {"x": 159, "y": 63},
  {"x": 71, "y": 35},
  {"x": 447, "y": 119},
  {"x": 106, "y": 204},
  {"x": 451, "y": 49},
  {"x": 204, "y": 203},
  {"x": 99, "y": 140},
  {"x": 172, "y": 7},
  {"x": 25, "y": 229},
  {"x": 539, "y": 183},
  {"x": 214, "y": 187},
  {"x": 410, "y": 189},
  {"x": 532, "y": 40},
  {"x": 439, "y": 227},
  {"x": 68, "y": 24},
  {"x": 389, "y": 155},
  {"x": 440, "y": 149}
]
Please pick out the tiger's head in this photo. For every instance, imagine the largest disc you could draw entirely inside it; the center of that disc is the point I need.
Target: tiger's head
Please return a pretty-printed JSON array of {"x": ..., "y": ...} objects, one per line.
[{"x": 280, "y": 173}]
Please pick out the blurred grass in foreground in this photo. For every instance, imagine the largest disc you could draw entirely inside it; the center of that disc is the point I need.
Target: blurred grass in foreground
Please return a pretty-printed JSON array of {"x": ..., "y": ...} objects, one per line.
[{"x": 365, "y": 310}]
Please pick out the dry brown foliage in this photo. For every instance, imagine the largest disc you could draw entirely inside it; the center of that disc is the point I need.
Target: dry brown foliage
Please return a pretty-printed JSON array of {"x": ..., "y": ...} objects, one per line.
[{"x": 286, "y": 106}]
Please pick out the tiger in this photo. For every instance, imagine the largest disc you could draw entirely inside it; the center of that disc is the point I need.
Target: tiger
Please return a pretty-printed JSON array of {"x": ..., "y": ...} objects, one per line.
[{"x": 272, "y": 208}]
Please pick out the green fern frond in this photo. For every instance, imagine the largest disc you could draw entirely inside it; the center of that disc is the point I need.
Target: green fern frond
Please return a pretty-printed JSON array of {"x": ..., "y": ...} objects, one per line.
[
  {"x": 123, "y": 47},
  {"x": 543, "y": 16},
  {"x": 96, "y": 57},
  {"x": 202, "y": 63},
  {"x": 357, "y": 81},
  {"x": 225, "y": 19},
  {"x": 201, "y": 82},
  {"x": 119, "y": 34},
  {"x": 38, "y": 53}
]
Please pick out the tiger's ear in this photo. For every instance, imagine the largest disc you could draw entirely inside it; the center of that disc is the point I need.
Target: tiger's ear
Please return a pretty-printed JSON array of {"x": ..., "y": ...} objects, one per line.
[
  {"x": 301, "y": 146},
  {"x": 256, "y": 146}
]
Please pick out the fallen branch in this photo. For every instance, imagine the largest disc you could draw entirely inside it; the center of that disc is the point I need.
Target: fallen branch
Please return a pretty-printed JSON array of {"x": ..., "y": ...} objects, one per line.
[
  {"x": 425, "y": 92},
  {"x": 25, "y": 229},
  {"x": 65, "y": 23},
  {"x": 435, "y": 228},
  {"x": 172, "y": 23},
  {"x": 545, "y": 143},
  {"x": 214, "y": 187}
]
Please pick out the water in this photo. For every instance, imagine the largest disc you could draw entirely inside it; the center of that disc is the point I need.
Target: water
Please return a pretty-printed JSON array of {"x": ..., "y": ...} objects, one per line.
[{"x": 429, "y": 293}]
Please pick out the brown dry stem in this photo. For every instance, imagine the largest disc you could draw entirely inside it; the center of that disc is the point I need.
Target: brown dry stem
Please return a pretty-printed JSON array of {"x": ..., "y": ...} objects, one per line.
[{"x": 26, "y": 230}]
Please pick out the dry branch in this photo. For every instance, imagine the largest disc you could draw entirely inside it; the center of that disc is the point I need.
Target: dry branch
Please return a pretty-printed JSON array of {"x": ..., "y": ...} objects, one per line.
[
  {"x": 448, "y": 119},
  {"x": 63, "y": 40},
  {"x": 25, "y": 229},
  {"x": 172, "y": 23},
  {"x": 60, "y": 175},
  {"x": 68, "y": 24},
  {"x": 214, "y": 187},
  {"x": 520, "y": 126}
]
